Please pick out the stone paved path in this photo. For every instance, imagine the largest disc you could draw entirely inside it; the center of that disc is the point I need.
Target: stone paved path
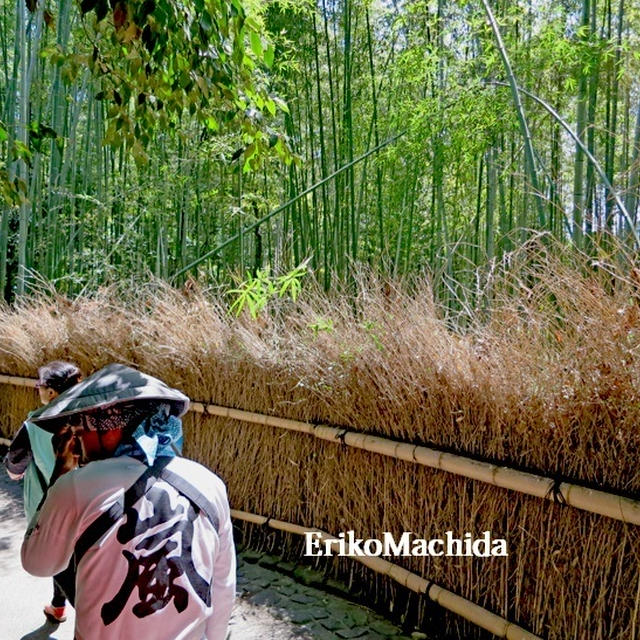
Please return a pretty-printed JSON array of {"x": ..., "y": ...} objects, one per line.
[
  {"x": 314, "y": 613},
  {"x": 271, "y": 605}
]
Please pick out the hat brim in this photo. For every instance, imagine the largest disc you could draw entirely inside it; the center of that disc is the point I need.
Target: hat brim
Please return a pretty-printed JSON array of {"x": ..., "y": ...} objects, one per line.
[{"x": 113, "y": 385}]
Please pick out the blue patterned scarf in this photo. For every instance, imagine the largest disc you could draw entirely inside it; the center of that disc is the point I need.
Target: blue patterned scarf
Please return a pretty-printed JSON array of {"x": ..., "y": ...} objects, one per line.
[{"x": 158, "y": 435}]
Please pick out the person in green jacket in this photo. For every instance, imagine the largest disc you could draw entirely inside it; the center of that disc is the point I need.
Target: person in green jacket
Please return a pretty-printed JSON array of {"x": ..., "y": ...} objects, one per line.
[{"x": 31, "y": 457}]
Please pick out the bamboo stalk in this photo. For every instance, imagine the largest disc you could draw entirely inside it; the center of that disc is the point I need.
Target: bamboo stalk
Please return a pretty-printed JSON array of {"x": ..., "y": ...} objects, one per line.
[
  {"x": 445, "y": 598},
  {"x": 583, "y": 498},
  {"x": 612, "y": 125},
  {"x": 22, "y": 122},
  {"x": 284, "y": 206},
  {"x": 524, "y": 127},
  {"x": 596, "y": 164},
  {"x": 631, "y": 198},
  {"x": 374, "y": 98}
]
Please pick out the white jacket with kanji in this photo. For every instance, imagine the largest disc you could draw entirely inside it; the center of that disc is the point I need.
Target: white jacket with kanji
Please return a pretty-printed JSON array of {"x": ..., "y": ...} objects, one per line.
[{"x": 162, "y": 571}]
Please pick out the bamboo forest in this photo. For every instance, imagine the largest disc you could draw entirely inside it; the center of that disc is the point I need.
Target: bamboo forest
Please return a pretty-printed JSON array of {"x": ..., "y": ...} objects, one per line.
[
  {"x": 386, "y": 254},
  {"x": 217, "y": 139}
]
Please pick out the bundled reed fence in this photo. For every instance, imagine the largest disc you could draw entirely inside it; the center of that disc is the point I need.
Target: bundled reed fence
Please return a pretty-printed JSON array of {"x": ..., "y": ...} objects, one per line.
[{"x": 547, "y": 385}]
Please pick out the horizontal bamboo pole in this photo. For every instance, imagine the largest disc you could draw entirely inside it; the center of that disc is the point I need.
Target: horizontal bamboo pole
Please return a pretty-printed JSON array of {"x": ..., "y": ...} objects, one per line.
[
  {"x": 248, "y": 416},
  {"x": 591, "y": 500},
  {"x": 18, "y": 381},
  {"x": 445, "y": 598}
]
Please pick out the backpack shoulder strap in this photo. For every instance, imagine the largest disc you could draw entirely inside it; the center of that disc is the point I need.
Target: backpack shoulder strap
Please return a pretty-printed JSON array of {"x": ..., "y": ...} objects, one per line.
[
  {"x": 102, "y": 524},
  {"x": 106, "y": 520},
  {"x": 188, "y": 490}
]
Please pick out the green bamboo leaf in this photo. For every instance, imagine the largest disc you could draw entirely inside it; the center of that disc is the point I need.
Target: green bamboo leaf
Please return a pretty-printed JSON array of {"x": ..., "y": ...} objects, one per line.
[
  {"x": 269, "y": 55},
  {"x": 256, "y": 45},
  {"x": 205, "y": 22}
]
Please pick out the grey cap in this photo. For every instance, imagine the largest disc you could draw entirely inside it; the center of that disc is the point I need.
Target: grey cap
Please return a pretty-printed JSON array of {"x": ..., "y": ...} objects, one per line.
[{"x": 113, "y": 385}]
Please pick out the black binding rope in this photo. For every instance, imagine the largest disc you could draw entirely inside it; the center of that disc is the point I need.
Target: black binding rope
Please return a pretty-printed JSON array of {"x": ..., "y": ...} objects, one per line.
[
  {"x": 430, "y": 583},
  {"x": 554, "y": 490}
]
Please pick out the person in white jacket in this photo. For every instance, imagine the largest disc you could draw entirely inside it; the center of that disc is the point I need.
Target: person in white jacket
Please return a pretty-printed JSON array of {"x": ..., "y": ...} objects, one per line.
[{"x": 163, "y": 566}]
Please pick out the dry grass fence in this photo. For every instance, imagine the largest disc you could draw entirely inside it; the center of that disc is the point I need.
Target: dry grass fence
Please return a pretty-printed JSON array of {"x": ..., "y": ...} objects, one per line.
[{"x": 548, "y": 383}]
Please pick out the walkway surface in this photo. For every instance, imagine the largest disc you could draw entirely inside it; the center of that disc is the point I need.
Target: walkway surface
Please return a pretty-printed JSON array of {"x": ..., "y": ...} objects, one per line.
[{"x": 275, "y": 599}]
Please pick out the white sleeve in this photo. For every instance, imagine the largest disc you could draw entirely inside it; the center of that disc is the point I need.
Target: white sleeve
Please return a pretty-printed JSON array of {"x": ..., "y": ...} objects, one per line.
[
  {"x": 49, "y": 541},
  {"x": 223, "y": 586}
]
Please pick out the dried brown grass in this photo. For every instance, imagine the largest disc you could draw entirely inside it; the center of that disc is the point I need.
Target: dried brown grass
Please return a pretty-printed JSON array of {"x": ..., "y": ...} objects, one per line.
[{"x": 546, "y": 379}]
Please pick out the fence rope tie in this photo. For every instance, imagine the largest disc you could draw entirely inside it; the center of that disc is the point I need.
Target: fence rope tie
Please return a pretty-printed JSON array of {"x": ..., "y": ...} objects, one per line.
[
  {"x": 555, "y": 492},
  {"x": 428, "y": 586}
]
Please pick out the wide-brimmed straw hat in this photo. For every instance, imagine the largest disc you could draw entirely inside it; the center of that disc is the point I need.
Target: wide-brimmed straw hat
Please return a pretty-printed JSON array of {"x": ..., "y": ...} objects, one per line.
[{"x": 114, "y": 386}]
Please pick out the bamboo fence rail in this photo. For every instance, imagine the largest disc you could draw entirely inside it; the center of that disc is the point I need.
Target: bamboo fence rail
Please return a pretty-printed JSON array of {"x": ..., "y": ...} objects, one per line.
[
  {"x": 580, "y": 497},
  {"x": 445, "y": 598},
  {"x": 18, "y": 381},
  {"x": 584, "y": 498}
]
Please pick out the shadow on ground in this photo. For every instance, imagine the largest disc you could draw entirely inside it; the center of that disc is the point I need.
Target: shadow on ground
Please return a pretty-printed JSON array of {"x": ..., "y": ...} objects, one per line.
[{"x": 42, "y": 633}]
